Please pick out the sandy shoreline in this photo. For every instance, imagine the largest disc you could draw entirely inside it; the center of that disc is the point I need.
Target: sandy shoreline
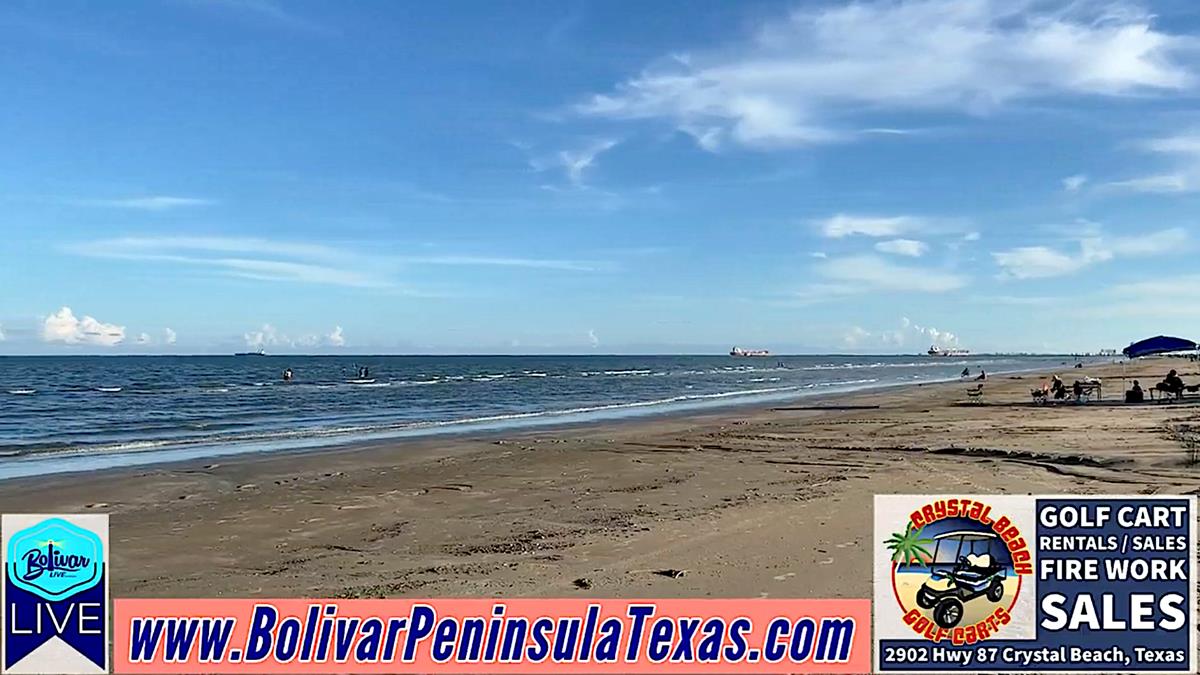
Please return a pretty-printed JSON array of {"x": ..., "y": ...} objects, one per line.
[{"x": 773, "y": 501}]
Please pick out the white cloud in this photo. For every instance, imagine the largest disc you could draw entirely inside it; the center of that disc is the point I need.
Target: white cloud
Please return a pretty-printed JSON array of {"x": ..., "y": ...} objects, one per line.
[
  {"x": 864, "y": 273},
  {"x": 529, "y": 263},
  {"x": 804, "y": 78},
  {"x": 574, "y": 162},
  {"x": 298, "y": 262},
  {"x": 845, "y": 225},
  {"x": 820, "y": 255},
  {"x": 1074, "y": 183},
  {"x": 264, "y": 337},
  {"x": 1037, "y": 262},
  {"x": 972, "y": 236},
  {"x": 907, "y": 247},
  {"x": 143, "y": 339},
  {"x": 3, "y": 337},
  {"x": 269, "y": 336},
  {"x": 855, "y": 337},
  {"x": 169, "y": 336},
  {"x": 150, "y": 203},
  {"x": 1183, "y": 153},
  {"x": 592, "y": 339},
  {"x": 910, "y": 333},
  {"x": 1165, "y": 183},
  {"x": 246, "y": 258},
  {"x": 63, "y": 326},
  {"x": 1167, "y": 299}
]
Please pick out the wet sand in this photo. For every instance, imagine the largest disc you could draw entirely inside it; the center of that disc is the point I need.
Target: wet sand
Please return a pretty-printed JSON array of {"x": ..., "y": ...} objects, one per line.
[{"x": 771, "y": 502}]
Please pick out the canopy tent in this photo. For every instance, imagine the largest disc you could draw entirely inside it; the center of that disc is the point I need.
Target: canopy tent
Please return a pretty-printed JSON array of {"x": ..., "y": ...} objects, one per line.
[{"x": 1159, "y": 344}]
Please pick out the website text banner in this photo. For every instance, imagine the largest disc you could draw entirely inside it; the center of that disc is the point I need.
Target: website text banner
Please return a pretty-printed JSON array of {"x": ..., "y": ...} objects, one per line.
[
  {"x": 1014, "y": 583},
  {"x": 492, "y": 636}
]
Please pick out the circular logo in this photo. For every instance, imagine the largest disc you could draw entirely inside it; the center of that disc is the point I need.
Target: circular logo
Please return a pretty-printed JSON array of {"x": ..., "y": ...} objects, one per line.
[
  {"x": 957, "y": 569},
  {"x": 55, "y": 559}
]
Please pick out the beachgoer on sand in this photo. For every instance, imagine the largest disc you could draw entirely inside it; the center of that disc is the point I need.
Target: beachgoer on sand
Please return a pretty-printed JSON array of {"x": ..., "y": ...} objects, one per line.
[
  {"x": 1057, "y": 388},
  {"x": 1135, "y": 394}
]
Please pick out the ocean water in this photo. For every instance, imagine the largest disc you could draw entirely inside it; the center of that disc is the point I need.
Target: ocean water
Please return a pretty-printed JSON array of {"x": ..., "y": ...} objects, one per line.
[{"x": 83, "y": 413}]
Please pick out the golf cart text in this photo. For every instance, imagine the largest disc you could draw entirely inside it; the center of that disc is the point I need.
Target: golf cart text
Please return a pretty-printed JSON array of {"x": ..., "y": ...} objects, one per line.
[
  {"x": 1099, "y": 515},
  {"x": 960, "y": 635}
]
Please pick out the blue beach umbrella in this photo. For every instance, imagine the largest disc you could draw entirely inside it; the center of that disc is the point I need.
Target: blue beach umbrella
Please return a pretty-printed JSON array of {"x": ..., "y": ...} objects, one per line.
[{"x": 1159, "y": 344}]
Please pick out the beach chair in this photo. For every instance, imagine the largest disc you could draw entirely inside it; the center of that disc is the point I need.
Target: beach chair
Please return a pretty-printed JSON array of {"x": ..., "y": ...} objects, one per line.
[
  {"x": 975, "y": 394},
  {"x": 1039, "y": 395}
]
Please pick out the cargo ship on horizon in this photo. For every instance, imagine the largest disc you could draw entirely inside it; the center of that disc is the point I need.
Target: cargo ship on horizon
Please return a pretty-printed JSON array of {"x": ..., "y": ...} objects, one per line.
[
  {"x": 738, "y": 351},
  {"x": 934, "y": 350}
]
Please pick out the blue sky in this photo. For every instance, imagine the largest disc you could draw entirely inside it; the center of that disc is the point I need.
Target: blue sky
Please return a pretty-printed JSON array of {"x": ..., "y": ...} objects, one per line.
[{"x": 196, "y": 176}]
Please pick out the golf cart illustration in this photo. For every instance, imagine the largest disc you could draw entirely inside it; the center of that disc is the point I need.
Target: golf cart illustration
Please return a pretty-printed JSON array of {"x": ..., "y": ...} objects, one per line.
[{"x": 962, "y": 569}]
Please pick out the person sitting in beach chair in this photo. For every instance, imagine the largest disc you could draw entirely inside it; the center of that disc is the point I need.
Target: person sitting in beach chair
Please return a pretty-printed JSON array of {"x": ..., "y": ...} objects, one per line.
[
  {"x": 975, "y": 394},
  {"x": 1135, "y": 395},
  {"x": 981, "y": 377},
  {"x": 1172, "y": 384},
  {"x": 1057, "y": 389}
]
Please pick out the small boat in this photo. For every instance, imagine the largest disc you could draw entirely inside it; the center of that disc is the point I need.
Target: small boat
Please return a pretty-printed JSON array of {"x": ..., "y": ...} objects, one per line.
[
  {"x": 109, "y": 390},
  {"x": 361, "y": 380},
  {"x": 257, "y": 353},
  {"x": 22, "y": 392}
]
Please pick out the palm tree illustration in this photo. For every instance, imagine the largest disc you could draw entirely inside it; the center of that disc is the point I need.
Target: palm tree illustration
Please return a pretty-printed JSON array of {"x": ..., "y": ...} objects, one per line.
[{"x": 908, "y": 547}]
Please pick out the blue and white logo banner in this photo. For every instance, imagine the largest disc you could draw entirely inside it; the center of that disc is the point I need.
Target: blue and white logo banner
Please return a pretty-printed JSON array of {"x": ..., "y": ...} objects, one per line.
[{"x": 55, "y": 593}]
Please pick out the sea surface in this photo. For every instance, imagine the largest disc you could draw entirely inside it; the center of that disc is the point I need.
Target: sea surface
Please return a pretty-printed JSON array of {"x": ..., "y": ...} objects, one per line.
[{"x": 90, "y": 412}]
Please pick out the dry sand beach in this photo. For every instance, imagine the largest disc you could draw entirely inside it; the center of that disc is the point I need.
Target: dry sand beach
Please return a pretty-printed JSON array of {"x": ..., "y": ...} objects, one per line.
[{"x": 773, "y": 502}]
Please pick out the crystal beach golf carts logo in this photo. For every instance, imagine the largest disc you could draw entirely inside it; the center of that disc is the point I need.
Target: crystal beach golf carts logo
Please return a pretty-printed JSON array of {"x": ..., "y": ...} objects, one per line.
[
  {"x": 957, "y": 567},
  {"x": 55, "y": 602}
]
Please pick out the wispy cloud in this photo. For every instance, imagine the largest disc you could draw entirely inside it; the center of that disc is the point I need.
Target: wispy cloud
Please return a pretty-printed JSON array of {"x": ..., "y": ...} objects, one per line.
[
  {"x": 1038, "y": 262},
  {"x": 846, "y": 225},
  {"x": 1182, "y": 152},
  {"x": 303, "y": 262},
  {"x": 268, "y": 336},
  {"x": 148, "y": 203},
  {"x": 1074, "y": 183},
  {"x": 529, "y": 263},
  {"x": 267, "y": 12},
  {"x": 1155, "y": 299},
  {"x": 874, "y": 273},
  {"x": 247, "y": 258},
  {"x": 906, "y": 247},
  {"x": 574, "y": 162},
  {"x": 804, "y": 78},
  {"x": 859, "y": 274}
]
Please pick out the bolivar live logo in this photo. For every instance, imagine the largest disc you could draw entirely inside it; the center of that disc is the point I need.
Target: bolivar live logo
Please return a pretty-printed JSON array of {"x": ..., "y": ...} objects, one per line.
[
  {"x": 55, "y": 595},
  {"x": 957, "y": 570}
]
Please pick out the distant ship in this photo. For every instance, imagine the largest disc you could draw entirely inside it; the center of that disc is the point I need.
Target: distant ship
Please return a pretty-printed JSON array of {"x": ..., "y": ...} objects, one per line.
[
  {"x": 257, "y": 353},
  {"x": 934, "y": 350},
  {"x": 738, "y": 351}
]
